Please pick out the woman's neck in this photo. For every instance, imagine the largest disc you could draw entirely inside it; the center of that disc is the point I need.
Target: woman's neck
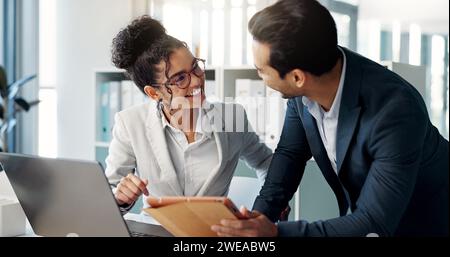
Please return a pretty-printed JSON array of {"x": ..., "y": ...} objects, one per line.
[{"x": 184, "y": 120}]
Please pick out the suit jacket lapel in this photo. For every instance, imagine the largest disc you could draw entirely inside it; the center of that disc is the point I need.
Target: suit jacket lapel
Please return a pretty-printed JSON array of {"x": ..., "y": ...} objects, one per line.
[
  {"x": 350, "y": 108},
  {"x": 321, "y": 157},
  {"x": 157, "y": 138},
  {"x": 346, "y": 127}
]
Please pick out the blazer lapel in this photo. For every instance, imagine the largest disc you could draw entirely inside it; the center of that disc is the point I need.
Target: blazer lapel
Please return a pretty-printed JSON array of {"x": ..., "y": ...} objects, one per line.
[
  {"x": 321, "y": 157},
  {"x": 350, "y": 108},
  {"x": 157, "y": 138},
  {"x": 346, "y": 127}
]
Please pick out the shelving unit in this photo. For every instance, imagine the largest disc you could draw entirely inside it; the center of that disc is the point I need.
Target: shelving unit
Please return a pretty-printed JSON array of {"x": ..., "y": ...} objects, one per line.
[
  {"x": 108, "y": 101},
  {"x": 213, "y": 78},
  {"x": 230, "y": 74}
]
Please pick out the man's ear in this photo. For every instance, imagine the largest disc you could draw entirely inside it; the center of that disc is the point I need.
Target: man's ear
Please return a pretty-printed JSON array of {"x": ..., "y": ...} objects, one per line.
[
  {"x": 298, "y": 77},
  {"x": 151, "y": 92}
]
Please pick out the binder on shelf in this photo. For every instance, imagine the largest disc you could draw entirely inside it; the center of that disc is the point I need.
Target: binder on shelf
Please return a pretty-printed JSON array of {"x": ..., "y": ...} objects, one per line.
[
  {"x": 114, "y": 103},
  {"x": 275, "y": 109},
  {"x": 131, "y": 94},
  {"x": 105, "y": 134},
  {"x": 210, "y": 91},
  {"x": 110, "y": 104},
  {"x": 137, "y": 95},
  {"x": 251, "y": 94},
  {"x": 127, "y": 93}
]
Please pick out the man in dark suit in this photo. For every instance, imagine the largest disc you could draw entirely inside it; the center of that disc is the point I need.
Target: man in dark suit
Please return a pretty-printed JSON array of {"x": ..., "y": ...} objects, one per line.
[{"x": 366, "y": 127}]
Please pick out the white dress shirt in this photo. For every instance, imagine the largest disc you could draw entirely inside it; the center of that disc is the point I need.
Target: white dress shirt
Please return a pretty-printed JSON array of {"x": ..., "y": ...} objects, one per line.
[
  {"x": 327, "y": 122},
  {"x": 193, "y": 162}
]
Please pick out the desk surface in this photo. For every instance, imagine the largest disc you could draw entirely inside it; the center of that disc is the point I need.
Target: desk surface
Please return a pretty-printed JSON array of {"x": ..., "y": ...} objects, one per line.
[{"x": 144, "y": 218}]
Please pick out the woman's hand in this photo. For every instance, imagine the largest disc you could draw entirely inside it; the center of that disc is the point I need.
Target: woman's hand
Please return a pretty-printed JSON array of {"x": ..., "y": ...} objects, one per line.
[{"x": 130, "y": 188}]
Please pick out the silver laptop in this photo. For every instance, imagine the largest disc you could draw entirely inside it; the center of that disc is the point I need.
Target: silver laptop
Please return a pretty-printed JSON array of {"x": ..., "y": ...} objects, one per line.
[{"x": 68, "y": 197}]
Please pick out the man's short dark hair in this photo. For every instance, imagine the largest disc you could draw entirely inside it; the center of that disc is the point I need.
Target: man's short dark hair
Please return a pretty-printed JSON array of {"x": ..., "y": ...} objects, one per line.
[{"x": 301, "y": 34}]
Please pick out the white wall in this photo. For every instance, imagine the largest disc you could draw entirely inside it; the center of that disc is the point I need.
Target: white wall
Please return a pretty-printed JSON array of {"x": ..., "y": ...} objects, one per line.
[{"x": 84, "y": 34}]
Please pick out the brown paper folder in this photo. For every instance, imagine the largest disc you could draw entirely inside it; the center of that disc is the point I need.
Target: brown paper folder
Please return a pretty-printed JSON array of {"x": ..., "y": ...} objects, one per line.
[{"x": 191, "y": 218}]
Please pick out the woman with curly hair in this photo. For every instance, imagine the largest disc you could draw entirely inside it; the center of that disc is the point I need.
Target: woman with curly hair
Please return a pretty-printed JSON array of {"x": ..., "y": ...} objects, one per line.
[{"x": 177, "y": 143}]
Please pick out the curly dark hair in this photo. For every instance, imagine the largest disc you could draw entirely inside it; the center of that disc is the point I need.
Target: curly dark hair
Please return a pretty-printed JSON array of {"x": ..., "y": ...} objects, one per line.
[{"x": 142, "y": 45}]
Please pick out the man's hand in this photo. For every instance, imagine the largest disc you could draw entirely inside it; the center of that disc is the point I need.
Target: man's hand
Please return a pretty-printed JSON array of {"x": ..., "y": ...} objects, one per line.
[
  {"x": 130, "y": 188},
  {"x": 256, "y": 225}
]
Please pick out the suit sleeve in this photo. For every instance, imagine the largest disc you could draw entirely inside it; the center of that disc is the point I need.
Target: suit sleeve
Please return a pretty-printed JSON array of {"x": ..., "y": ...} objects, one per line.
[
  {"x": 395, "y": 146},
  {"x": 286, "y": 168}
]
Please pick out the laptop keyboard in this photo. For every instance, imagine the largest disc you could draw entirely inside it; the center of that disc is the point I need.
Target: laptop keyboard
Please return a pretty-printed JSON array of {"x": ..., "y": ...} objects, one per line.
[
  {"x": 138, "y": 229},
  {"x": 139, "y": 234}
]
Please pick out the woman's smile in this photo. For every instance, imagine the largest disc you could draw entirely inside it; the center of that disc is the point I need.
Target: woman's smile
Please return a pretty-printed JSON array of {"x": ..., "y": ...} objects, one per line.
[{"x": 195, "y": 92}]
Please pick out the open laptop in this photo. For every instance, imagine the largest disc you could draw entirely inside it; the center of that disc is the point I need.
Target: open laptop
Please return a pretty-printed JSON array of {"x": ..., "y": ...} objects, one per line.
[{"x": 69, "y": 198}]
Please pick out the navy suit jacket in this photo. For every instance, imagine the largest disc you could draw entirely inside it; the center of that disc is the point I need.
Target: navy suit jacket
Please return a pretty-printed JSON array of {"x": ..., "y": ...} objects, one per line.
[{"x": 390, "y": 158}]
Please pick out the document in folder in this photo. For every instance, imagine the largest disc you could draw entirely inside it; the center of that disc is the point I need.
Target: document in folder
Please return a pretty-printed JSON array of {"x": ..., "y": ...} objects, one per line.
[{"x": 191, "y": 216}]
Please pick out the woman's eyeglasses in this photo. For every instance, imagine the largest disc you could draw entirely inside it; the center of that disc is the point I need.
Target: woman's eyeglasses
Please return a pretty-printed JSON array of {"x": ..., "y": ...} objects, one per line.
[{"x": 183, "y": 80}]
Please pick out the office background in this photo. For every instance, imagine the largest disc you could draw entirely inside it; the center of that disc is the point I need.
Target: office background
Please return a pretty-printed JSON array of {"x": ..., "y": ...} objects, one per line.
[{"x": 67, "y": 44}]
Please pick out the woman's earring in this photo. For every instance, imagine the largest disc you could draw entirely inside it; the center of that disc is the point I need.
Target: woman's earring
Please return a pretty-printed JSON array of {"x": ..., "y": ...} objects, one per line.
[{"x": 159, "y": 107}]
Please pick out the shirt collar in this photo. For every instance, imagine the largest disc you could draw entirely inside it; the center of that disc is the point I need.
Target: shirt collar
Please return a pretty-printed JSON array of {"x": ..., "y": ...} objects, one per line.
[
  {"x": 316, "y": 110},
  {"x": 203, "y": 124}
]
